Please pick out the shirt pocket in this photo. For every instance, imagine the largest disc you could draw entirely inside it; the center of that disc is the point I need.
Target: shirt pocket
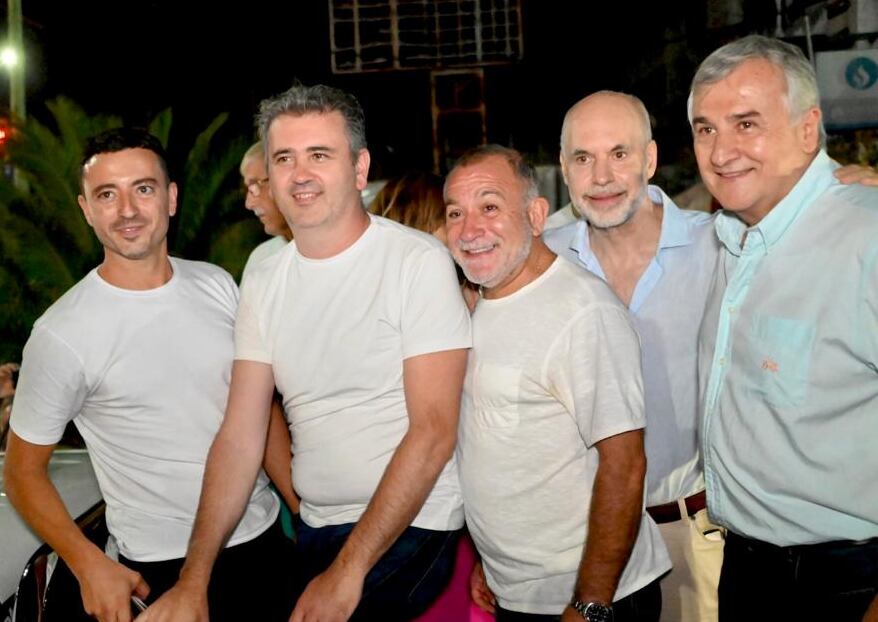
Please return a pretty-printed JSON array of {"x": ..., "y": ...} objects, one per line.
[
  {"x": 496, "y": 390},
  {"x": 783, "y": 349}
]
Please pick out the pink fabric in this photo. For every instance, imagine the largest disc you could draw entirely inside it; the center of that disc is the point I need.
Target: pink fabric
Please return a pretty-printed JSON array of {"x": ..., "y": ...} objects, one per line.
[{"x": 455, "y": 604}]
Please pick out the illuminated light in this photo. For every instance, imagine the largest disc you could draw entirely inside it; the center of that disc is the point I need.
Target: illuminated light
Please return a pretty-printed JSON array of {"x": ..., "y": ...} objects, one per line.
[{"x": 8, "y": 57}]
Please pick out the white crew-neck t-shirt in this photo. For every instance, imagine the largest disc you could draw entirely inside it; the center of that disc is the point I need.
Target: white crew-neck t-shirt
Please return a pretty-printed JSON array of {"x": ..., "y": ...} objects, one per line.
[{"x": 144, "y": 375}]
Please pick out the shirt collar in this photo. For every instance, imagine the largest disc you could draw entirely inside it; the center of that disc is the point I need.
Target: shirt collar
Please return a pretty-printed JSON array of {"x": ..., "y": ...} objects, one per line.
[
  {"x": 676, "y": 228},
  {"x": 765, "y": 234}
]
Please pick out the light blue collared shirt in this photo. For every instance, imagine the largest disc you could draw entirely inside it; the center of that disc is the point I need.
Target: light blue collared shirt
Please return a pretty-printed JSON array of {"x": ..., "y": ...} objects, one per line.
[
  {"x": 789, "y": 348},
  {"x": 666, "y": 309}
]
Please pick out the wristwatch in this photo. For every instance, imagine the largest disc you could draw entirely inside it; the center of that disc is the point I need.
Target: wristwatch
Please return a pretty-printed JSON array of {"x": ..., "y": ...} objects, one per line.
[{"x": 593, "y": 612}]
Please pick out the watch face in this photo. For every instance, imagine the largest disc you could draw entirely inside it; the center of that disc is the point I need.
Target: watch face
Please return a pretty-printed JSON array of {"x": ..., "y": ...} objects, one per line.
[{"x": 596, "y": 612}]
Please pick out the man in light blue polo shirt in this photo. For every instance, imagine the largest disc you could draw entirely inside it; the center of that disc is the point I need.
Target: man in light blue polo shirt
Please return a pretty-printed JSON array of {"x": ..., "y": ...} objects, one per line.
[
  {"x": 658, "y": 259},
  {"x": 789, "y": 345}
]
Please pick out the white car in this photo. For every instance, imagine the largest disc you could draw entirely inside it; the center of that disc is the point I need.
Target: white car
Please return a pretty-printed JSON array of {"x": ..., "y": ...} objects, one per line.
[{"x": 72, "y": 474}]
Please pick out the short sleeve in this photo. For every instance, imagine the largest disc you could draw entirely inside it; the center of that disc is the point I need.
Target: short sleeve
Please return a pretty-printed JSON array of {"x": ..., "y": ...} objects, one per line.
[
  {"x": 250, "y": 344},
  {"x": 51, "y": 389},
  {"x": 434, "y": 314},
  {"x": 594, "y": 369}
]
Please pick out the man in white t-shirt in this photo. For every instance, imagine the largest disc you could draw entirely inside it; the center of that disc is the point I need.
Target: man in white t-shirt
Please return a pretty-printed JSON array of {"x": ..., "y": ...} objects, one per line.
[
  {"x": 258, "y": 200},
  {"x": 138, "y": 355},
  {"x": 360, "y": 323},
  {"x": 551, "y": 451}
]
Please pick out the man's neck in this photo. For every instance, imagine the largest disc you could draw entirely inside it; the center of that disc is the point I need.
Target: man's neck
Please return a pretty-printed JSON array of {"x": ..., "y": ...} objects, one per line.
[
  {"x": 624, "y": 252},
  {"x": 537, "y": 262},
  {"x": 328, "y": 241},
  {"x": 136, "y": 274}
]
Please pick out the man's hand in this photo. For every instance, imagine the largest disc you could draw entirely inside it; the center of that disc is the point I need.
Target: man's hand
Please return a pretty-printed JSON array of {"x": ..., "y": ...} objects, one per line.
[
  {"x": 331, "y": 596},
  {"x": 106, "y": 588},
  {"x": 479, "y": 590},
  {"x": 570, "y": 615},
  {"x": 856, "y": 174},
  {"x": 181, "y": 603}
]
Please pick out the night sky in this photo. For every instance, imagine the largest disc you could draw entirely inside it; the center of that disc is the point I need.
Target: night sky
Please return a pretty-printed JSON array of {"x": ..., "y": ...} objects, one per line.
[{"x": 136, "y": 58}]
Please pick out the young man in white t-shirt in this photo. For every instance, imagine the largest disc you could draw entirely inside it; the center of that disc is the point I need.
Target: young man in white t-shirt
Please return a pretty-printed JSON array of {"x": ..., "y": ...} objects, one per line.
[
  {"x": 551, "y": 451},
  {"x": 361, "y": 325},
  {"x": 138, "y": 355}
]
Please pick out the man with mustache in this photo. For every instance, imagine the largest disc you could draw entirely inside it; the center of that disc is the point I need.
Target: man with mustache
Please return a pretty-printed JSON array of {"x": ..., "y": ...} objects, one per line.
[
  {"x": 658, "y": 259},
  {"x": 360, "y": 324},
  {"x": 551, "y": 439},
  {"x": 138, "y": 355}
]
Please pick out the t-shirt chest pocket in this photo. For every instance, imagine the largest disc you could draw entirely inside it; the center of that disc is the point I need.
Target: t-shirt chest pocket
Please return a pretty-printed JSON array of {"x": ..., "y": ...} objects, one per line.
[
  {"x": 783, "y": 358},
  {"x": 496, "y": 390}
]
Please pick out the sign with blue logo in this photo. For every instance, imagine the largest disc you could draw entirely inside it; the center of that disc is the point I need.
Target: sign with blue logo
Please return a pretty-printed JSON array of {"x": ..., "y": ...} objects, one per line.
[
  {"x": 848, "y": 82},
  {"x": 861, "y": 73}
]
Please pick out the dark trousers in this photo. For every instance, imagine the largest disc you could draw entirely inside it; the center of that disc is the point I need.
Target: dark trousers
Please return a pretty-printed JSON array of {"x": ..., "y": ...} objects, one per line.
[
  {"x": 644, "y": 605},
  {"x": 404, "y": 582},
  {"x": 250, "y": 581},
  {"x": 829, "y": 581}
]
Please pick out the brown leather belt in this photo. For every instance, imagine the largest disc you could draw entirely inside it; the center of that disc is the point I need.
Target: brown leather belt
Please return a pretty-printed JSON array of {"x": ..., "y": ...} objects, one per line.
[{"x": 670, "y": 512}]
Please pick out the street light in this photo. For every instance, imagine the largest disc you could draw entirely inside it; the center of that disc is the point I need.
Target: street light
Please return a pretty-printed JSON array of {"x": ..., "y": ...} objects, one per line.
[
  {"x": 13, "y": 58},
  {"x": 9, "y": 57}
]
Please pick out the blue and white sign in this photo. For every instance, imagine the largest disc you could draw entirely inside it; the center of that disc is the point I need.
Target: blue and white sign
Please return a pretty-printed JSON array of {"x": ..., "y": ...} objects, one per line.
[{"x": 848, "y": 82}]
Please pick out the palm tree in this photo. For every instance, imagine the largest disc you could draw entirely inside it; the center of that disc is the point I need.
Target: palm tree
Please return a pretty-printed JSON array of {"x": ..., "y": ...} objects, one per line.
[{"x": 45, "y": 242}]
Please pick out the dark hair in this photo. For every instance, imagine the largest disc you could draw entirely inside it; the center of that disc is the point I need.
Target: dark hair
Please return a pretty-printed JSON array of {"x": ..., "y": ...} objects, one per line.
[
  {"x": 120, "y": 139},
  {"x": 321, "y": 99}
]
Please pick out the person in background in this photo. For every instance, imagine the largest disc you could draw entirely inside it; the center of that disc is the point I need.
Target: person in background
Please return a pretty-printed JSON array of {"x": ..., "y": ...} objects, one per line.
[
  {"x": 258, "y": 200},
  {"x": 8, "y": 378},
  {"x": 415, "y": 200}
]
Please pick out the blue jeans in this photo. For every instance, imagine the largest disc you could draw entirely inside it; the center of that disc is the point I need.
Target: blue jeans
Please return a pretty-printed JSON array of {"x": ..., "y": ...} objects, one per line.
[
  {"x": 644, "y": 605},
  {"x": 404, "y": 582},
  {"x": 828, "y": 581}
]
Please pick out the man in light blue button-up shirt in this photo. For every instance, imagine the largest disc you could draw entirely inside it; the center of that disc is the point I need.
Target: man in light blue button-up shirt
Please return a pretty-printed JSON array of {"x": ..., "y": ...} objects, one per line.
[
  {"x": 658, "y": 259},
  {"x": 789, "y": 345}
]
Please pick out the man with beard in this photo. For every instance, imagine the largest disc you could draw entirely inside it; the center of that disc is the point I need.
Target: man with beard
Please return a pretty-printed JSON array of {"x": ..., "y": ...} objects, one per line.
[
  {"x": 551, "y": 440},
  {"x": 658, "y": 259}
]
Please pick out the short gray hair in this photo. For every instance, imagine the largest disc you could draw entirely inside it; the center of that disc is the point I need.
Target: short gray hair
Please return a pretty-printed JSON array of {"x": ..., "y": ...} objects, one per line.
[
  {"x": 802, "y": 92},
  {"x": 524, "y": 172},
  {"x": 256, "y": 149},
  {"x": 320, "y": 99}
]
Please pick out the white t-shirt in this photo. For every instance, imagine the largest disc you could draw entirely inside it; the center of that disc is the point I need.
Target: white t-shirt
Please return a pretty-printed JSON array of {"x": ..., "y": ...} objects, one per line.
[
  {"x": 144, "y": 375},
  {"x": 336, "y": 332},
  {"x": 264, "y": 250},
  {"x": 555, "y": 368}
]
